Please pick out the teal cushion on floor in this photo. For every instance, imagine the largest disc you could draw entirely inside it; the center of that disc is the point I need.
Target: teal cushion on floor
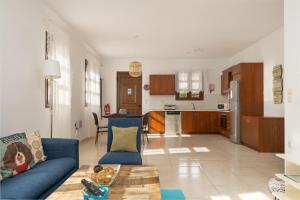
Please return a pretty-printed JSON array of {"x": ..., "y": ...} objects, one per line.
[{"x": 172, "y": 194}]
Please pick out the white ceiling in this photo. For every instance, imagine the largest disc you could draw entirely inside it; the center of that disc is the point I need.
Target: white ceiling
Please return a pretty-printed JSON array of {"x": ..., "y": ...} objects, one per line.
[{"x": 171, "y": 28}]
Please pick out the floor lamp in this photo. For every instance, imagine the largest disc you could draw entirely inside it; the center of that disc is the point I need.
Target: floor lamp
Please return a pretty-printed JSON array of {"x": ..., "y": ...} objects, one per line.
[{"x": 51, "y": 72}]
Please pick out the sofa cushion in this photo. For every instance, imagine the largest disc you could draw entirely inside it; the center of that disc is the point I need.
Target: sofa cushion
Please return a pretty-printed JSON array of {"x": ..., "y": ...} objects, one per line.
[
  {"x": 15, "y": 155},
  {"x": 33, "y": 183},
  {"x": 124, "y": 158},
  {"x": 36, "y": 146}
]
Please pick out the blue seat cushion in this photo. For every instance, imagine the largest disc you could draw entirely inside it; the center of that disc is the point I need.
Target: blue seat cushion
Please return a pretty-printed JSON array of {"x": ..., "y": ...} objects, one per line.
[
  {"x": 123, "y": 158},
  {"x": 34, "y": 182},
  {"x": 172, "y": 194}
]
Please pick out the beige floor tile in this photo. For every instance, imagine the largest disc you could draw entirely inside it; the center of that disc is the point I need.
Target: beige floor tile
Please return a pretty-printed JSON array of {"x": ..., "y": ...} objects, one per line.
[{"x": 205, "y": 167}]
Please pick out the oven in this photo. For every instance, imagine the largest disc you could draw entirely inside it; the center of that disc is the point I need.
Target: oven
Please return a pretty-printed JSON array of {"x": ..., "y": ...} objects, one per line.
[{"x": 223, "y": 121}]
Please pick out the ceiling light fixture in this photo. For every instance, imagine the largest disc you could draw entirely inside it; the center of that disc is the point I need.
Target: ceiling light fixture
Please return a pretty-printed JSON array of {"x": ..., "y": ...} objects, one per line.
[{"x": 135, "y": 69}]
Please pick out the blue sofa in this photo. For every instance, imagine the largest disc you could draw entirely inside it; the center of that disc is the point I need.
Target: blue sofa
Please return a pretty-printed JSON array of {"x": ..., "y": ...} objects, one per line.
[
  {"x": 121, "y": 157},
  {"x": 40, "y": 181}
]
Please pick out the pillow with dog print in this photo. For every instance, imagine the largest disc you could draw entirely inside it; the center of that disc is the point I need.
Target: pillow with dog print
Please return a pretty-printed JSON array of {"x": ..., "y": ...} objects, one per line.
[
  {"x": 15, "y": 155},
  {"x": 36, "y": 146}
]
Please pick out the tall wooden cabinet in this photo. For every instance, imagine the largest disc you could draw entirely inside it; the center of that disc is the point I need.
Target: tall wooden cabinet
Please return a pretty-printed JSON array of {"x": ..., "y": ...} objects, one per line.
[{"x": 258, "y": 132}]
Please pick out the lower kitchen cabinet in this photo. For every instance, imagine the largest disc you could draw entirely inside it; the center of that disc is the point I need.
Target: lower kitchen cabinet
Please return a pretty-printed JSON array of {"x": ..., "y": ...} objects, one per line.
[
  {"x": 200, "y": 122},
  {"x": 264, "y": 134},
  {"x": 157, "y": 122},
  {"x": 187, "y": 122}
]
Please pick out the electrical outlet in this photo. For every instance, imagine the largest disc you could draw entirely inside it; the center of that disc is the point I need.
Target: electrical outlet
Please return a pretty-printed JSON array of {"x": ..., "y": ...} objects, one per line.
[{"x": 78, "y": 124}]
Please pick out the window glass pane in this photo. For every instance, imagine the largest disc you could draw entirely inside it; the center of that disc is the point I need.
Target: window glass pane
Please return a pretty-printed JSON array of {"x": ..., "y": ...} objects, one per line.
[
  {"x": 183, "y": 76},
  {"x": 183, "y": 86},
  {"x": 196, "y": 82},
  {"x": 196, "y": 76},
  {"x": 196, "y": 86}
]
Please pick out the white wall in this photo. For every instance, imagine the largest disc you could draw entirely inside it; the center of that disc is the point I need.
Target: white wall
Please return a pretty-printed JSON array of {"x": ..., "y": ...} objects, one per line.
[
  {"x": 211, "y": 68},
  {"x": 269, "y": 51},
  {"x": 22, "y": 40},
  {"x": 292, "y": 76}
]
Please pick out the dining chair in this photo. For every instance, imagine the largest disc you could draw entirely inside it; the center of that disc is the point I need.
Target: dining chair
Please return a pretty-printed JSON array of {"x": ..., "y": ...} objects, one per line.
[
  {"x": 100, "y": 129},
  {"x": 145, "y": 127}
]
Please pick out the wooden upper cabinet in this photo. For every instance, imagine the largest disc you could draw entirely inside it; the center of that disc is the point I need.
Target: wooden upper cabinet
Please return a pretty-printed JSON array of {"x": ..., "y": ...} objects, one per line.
[
  {"x": 235, "y": 73},
  {"x": 252, "y": 89},
  {"x": 232, "y": 73},
  {"x": 224, "y": 82},
  {"x": 157, "y": 122},
  {"x": 162, "y": 84},
  {"x": 250, "y": 76}
]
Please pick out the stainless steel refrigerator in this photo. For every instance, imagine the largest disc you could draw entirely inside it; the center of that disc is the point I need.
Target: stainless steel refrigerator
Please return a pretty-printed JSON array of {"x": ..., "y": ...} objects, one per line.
[{"x": 234, "y": 103}]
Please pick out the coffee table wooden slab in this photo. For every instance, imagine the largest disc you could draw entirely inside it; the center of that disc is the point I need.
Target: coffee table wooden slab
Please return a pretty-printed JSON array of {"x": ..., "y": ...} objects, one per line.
[{"x": 133, "y": 182}]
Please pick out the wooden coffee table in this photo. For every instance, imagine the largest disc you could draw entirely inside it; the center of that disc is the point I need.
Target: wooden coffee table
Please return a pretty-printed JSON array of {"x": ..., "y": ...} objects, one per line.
[{"x": 133, "y": 182}]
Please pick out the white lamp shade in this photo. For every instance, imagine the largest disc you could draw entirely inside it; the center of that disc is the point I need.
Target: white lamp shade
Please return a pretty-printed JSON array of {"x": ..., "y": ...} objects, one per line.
[{"x": 51, "y": 69}]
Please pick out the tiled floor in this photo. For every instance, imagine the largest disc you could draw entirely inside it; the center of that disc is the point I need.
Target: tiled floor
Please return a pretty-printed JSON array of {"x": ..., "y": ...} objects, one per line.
[{"x": 205, "y": 167}]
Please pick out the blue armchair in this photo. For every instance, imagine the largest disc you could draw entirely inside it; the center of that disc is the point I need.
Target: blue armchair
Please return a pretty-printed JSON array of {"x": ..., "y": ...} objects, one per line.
[{"x": 120, "y": 157}]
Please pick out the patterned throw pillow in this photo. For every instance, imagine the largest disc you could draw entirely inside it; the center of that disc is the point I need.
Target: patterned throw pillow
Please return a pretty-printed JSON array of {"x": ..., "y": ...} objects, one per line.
[
  {"x": 15, "y": 155},
  {"x": 35, "y": 142}
]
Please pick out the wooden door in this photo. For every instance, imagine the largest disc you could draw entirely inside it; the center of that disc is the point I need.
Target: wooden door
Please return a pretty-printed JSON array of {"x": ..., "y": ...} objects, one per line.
[
  {"x": 129, "y": 93},
  {"x": 157, "y": 122}
]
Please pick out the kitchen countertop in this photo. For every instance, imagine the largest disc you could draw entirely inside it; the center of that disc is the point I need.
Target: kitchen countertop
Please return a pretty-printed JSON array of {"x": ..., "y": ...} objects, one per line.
[{"x": 190, "y": 110}]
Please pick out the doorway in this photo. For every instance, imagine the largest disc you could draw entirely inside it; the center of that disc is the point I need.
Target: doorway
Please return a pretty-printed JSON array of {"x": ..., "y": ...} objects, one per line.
[{"x": 129, "y": 93}]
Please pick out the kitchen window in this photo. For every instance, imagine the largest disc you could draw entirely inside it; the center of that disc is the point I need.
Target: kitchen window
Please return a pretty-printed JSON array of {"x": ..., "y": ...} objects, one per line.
[
  {"x": 196, "y": 84},
  {"x": 183, "y": 84},
  {"x": 189, "y": 86}
]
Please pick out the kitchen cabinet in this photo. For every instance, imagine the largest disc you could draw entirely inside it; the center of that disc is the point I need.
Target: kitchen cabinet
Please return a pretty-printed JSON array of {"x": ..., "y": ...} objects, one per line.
[
  {"x": 225, "y": 82},
  {"x": 157, "y": 122},
  {"x": 250, "y": 76},
  {"x": 199, "y": 122},
  {"x": 264, "y": 134},
  {"x": 214, "y": 122},
  {"x": 162, "y": 84}
]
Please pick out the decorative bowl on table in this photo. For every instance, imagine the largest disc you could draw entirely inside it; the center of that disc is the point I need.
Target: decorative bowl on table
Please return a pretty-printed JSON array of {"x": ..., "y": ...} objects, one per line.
[{"x": 105, "y": 175}]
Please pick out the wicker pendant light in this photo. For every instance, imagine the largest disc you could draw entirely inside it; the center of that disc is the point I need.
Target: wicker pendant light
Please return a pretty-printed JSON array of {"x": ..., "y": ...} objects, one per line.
[{"x": 135, "y": 69}]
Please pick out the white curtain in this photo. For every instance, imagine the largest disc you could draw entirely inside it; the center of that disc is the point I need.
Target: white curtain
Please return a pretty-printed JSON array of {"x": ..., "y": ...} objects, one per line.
[
  {"x": 59, "y": 50},
  {"x": 196, "y": 82},
  {"x": 93, "y": 96},
  {"x": 183, "y": 82}
]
